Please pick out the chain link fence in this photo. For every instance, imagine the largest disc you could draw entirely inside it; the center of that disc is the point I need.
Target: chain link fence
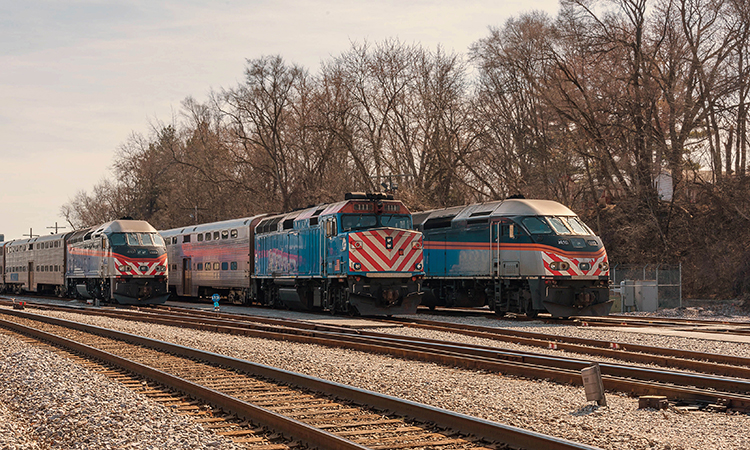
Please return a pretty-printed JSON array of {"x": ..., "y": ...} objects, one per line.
[{"x": 658, "y": 285}]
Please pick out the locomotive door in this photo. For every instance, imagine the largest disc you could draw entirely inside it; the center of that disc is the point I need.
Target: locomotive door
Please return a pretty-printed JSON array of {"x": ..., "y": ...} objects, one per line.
[
  {"x": 506, "y": 257},
  {"x": 186, "y": 277}
]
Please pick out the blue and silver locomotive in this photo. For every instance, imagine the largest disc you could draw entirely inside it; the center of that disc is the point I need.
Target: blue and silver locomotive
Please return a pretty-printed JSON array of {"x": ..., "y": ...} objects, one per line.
[{"x": 516, "y": 255}]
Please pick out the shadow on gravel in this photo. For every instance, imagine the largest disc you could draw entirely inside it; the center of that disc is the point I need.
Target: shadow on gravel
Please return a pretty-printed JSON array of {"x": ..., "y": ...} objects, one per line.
[{"x": 586, "y": 410}]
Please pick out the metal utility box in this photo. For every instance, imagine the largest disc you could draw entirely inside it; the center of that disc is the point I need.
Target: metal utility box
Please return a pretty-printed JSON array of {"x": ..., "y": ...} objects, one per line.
[
  {"x": 627, "y": 291},
  {"x": 647, "y": 296}
]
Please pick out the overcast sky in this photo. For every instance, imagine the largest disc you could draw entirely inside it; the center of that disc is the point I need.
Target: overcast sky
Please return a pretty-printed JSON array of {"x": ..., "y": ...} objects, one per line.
[{"x": 78, "y": 77}]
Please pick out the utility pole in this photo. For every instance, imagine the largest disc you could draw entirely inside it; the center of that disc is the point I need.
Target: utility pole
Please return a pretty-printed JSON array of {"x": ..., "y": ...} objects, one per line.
[
  {"x": 195, "y": 213},
  {"x": 31, "y": 234},
  {"x": 56, "y": 227}
]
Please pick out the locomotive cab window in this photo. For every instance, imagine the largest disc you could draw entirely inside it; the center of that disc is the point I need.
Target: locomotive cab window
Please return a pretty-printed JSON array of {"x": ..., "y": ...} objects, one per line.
[
  {"x": 558, "y": 225},
  {"x": 577, "y": 226},
  {"x": 535, "y": 225},
  {"x": 358, "y": 221},
  {"x": 400, "y": 221}
]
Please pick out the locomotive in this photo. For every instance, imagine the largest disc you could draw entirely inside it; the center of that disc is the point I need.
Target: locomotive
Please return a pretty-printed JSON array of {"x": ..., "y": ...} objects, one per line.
[
  {"x": 123, "y": 260},
  {"x": 357, "y": 256},
  {"x": 516, "y": 255}
]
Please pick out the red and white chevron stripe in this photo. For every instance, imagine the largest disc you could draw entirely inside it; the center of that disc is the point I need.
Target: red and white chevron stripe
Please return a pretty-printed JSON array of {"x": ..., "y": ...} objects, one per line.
[
  {"x": 574, "y": 265},
  {"x": 144, "y": 268},
  {"x": 385, "y": 250}
]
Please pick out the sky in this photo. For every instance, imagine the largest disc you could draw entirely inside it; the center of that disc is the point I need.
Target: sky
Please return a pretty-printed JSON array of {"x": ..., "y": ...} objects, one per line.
[{"x": 77, "y": 78}]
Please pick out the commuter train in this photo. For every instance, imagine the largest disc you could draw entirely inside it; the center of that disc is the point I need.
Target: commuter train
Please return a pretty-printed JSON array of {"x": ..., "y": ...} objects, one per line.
[
  {"x": 123, "y": 261},
  {"x": 357, "y": 256},
  {"x": 516, "y": 255}
]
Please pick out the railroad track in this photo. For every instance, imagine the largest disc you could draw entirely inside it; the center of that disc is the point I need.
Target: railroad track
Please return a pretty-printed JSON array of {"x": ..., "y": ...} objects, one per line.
[
  {"x": 677, "y": 386},
  {"x": 318, "y": 413}
]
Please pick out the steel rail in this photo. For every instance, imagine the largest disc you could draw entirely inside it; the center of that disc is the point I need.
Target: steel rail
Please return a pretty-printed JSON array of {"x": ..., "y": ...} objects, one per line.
[
  {"x": 685, "y": 379},
  {"x": 635, "y": 380},
  {"x": 546, "y": 340},
  {"x": 493, "y": 431},
  {"x": 298, "y": 430},
  {"x": 391, "y": 344}
]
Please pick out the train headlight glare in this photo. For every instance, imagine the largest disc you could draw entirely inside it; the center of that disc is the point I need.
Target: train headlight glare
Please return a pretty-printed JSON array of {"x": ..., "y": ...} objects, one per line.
[
  {"x": 123, "y": 268},
  {"x": 418, "y": 266},
  {"x": 357, "y": 266},
  {"x": 603, "y": 266}
]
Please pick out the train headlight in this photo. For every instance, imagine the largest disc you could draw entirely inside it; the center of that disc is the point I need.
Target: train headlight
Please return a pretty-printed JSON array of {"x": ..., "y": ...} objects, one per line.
[
  {"x": 418, "y": 266},
  {"x": 161, "y": 268},
  {"x": 356, "y": 244},
  {"x": 559, "y": 265},
  {"x": 123, "y": 268},
  {"x": 416, "y": 245},
  {"x": 357, "y": 266},
  {"x": 603, "y": 266}
]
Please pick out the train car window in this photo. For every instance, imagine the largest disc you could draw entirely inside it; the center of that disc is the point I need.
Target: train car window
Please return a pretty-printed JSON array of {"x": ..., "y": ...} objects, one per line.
[
  {"x": 216, "y": 235},
  {"x": 535, "y": 225},
  {"x": 224, "y": 234},
  {"x": 208, "y": 266},
  {"x": 233, "y": 265},
  {"x": 558, "y": 225},
  {"x": 200, "y": 266},
  {"x": 146, "y": 239},
  {"x": 208, "y": 236},
  {"x": 233, "y": 233},
  {"x": 225, "y": 266},
  {"x": 216, "y": 266},
  {"x": 200, "y": 237},
  {"x": 186, "y": 238}
]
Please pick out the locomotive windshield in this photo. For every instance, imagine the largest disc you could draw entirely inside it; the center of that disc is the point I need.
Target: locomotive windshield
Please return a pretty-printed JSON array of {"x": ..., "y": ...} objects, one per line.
[
  {"x": 556, "y": 225},
  {"x": 351, "y": 222},
  {"x": 136, "y": 239}
]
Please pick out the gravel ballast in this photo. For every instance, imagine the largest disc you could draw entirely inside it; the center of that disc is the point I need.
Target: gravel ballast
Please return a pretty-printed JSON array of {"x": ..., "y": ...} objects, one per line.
[
  {"x": 49, "y": 402},
  {"x": 545, "y": 407}
]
